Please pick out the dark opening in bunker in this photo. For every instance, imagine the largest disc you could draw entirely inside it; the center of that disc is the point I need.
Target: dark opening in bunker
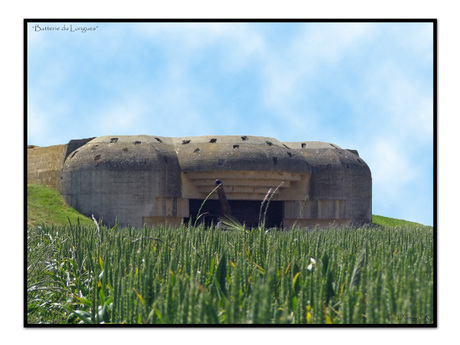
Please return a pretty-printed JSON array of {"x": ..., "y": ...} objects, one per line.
[{"x": 245, "y": 211}]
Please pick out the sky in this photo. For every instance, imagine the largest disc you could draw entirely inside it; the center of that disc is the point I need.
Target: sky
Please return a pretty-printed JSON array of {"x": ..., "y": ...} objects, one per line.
[{"x": 364, "y": 85}]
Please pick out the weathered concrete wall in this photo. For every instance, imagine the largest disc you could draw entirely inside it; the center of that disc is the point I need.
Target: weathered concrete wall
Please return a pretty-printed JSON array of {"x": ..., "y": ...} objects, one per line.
[
  {"x": 341, "y": 182},
  {"x": 151, "y": 180},
  {"x": 248, "y": 166},
  {"x": 125, "y": 178},
  {"x": 75, "y": 144},
  {"x": 44, "y": 165},
  {"x": 146, "y": 179}
]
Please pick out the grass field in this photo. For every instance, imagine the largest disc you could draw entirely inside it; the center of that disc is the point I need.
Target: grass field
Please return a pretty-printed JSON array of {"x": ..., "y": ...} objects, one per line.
[{"x": 381, "y": 274}]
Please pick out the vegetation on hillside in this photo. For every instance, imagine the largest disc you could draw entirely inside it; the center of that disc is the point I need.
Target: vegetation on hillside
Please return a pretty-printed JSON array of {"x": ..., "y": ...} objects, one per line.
[
  {"x": 45, "y": 206},
  {"x": 386, "y": 221}
]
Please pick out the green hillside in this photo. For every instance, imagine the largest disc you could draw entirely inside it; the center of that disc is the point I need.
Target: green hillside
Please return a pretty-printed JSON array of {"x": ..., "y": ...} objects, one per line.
[
  {"x": 45, "y": 206},
  {"x": 386, "y": 221}
]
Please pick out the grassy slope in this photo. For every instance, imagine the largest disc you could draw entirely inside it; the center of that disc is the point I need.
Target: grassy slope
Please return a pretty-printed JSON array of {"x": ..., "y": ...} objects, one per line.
[
  {"x": 45, "y": 206},
  {"x": 386, "y": 221}
]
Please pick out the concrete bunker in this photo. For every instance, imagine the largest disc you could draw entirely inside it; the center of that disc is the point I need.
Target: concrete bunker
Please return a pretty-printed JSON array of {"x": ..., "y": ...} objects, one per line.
[{"x": 153, "y": 180}]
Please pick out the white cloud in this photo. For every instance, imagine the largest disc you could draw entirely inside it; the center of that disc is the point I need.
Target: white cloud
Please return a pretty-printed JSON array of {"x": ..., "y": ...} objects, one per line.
[
  {"x": 176, "y": 104},
  {"x": 399, "y": 130},
  {"x": 44, "y": 116},
  {"x": 121, "y": 116},
  {"x": 328, "y": 43},
  {"x": 290, "y": 77},
  {"x": 391, "y": 172},
  {"x": 37, "y": 127},
  {"x": 183, "y": 42},
  {"x": 390, "y": 165},
  {"x": 406, "y": 103}
]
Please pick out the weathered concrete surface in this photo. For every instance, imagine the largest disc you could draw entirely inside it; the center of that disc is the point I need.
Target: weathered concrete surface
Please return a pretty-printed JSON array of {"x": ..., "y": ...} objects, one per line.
[
  {"x": 123, "y": 178},
  {"x": 158, "y": 180},
  {"x": 341, "y": 182},
  {"x": 248, "y": 166},
  {"x": 44, "y": 165}
]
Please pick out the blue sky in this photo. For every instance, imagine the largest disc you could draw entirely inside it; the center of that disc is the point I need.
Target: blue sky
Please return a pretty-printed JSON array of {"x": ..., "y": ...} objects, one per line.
[{"x": 364, "y": 86}]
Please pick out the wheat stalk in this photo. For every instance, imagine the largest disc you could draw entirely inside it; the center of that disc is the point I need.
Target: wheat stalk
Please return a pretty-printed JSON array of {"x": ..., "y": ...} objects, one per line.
[
  {"x": 268, "y": 203},
  {"x": 202, "y": 204},
  {"x": 97, "y": 228},
  {"x": 356, "y": 275},
  {"x": 262, "y": 205}
]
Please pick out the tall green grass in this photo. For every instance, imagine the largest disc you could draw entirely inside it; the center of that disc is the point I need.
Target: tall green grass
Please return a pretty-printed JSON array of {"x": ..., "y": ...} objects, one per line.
[{"x": 193, "y": 275}]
